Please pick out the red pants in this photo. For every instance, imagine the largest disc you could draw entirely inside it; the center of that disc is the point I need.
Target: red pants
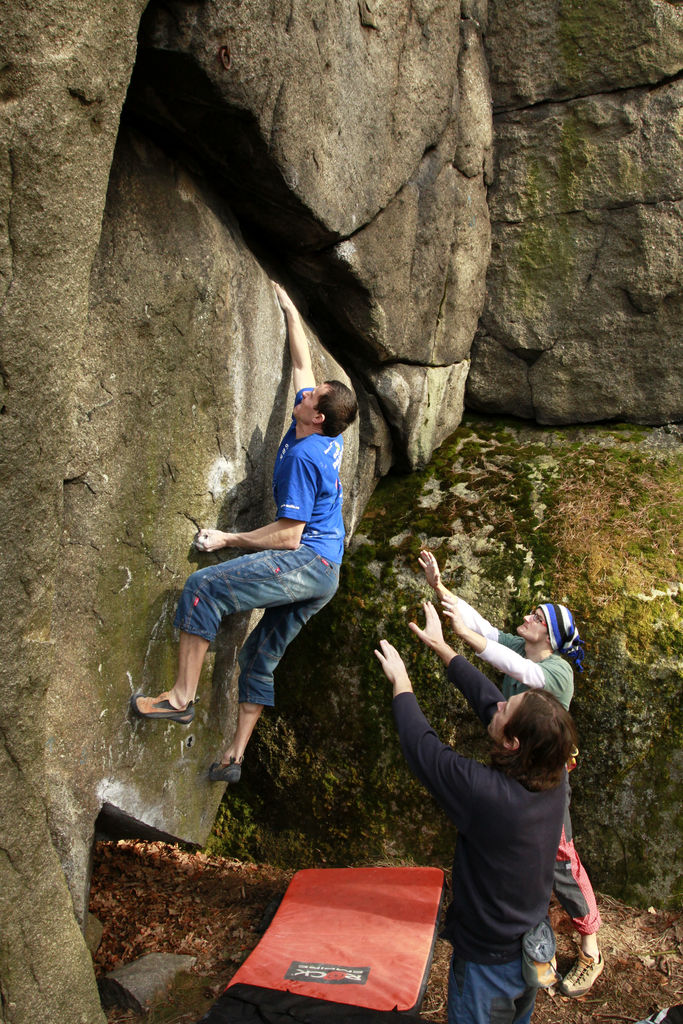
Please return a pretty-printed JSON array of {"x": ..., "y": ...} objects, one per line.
[{"x": 572, "y": 886}]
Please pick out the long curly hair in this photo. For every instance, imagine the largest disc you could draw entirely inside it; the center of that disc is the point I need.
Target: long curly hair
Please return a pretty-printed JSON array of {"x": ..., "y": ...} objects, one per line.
[{"x": 546, "y": 734}]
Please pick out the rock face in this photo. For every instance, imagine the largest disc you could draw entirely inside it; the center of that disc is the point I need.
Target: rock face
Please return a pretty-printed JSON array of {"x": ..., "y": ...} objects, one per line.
[
  {"x": 172, "y": 424},
  {"x": 65, "y": 70},
  {"x": 369, "y": 136},
  {"x": 159, "y": 162},
  {"x": 584, "y": 295},
  {"x": 147, "y": 195}
]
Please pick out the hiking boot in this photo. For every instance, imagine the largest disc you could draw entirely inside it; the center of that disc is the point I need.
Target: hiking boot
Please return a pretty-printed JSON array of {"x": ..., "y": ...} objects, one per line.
[
  {"x": 230, "y": 773},
  {"x": 581, "y": 975}
]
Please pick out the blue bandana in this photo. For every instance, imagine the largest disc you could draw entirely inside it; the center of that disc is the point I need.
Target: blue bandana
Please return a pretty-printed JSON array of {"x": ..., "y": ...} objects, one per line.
[{"x": 563, "y": 634}]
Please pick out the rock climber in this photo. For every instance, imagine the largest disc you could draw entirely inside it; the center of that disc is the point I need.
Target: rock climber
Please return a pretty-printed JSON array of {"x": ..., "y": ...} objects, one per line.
[{"x": 292, "y": 569}]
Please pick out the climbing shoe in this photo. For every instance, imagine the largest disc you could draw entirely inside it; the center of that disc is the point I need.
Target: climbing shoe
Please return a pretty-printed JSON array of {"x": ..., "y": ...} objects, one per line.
[
  {"x": 161, "y": 707},
  {"x": 581, "y": 975},
  {"x": 230, "y": 773}
]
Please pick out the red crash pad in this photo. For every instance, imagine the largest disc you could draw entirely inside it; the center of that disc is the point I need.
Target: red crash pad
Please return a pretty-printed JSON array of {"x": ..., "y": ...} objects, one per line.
[{"x": 359, "y": 936}]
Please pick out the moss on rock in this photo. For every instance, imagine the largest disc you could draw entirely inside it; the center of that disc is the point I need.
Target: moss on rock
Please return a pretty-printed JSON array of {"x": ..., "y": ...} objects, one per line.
[
  {"x": 591, "y": 518},
  {"x": 586, "y": 30}
]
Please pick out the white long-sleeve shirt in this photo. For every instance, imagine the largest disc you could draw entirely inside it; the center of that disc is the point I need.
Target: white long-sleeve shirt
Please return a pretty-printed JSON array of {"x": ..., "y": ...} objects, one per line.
[{"x": 553, "y": 673}]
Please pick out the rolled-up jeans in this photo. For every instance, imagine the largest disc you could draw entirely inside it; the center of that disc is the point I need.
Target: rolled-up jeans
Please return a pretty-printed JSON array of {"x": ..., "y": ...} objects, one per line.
[{"x": 290, "y": 585}]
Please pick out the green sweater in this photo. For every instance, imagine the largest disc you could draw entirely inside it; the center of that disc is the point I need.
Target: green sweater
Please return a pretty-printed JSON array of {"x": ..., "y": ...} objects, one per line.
[{"x": 559, "y": 678}]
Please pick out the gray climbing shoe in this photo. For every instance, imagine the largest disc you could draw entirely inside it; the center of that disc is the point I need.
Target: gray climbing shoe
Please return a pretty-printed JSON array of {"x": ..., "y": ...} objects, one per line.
[{"x": 230, "y": 773}]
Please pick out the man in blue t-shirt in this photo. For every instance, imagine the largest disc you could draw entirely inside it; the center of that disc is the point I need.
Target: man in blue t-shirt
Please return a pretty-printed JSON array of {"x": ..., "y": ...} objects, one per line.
[{"x": 293, "y": 568}]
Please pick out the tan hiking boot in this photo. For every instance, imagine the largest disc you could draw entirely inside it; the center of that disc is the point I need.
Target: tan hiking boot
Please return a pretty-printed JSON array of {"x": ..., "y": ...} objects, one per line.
[{"x": 581, "y": 975}]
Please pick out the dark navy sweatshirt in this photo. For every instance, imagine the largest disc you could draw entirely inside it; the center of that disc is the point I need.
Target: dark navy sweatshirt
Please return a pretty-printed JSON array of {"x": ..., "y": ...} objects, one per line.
[{"x": 507, "y": 835}]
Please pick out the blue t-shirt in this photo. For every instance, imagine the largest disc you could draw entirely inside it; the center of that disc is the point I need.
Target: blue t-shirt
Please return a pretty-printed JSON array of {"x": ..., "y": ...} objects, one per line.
[{"x": 306, "y": 487}]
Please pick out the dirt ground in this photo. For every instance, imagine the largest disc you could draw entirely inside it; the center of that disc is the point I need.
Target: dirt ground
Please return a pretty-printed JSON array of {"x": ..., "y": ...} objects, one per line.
[{"x": 152, "y": 897}]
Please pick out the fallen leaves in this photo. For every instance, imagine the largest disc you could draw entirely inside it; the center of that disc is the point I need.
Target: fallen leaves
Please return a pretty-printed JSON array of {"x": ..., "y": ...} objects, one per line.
[{"x": 153, "y": 897}]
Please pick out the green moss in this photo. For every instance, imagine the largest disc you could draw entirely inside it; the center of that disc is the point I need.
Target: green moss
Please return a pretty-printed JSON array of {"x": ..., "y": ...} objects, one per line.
[
  {"x": 592, "y": 518},
  {"x": 587, "y": 30},
  {"x": 544, "y": 249},
  {"x": 576, "y": 155},
  {"x": 235, "y": 819}
]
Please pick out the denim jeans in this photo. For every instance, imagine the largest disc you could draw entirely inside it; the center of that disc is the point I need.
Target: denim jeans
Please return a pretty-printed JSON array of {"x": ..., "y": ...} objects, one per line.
[
  {"x": 488, "y": 993},
  {"x": 291, "y": 586}
]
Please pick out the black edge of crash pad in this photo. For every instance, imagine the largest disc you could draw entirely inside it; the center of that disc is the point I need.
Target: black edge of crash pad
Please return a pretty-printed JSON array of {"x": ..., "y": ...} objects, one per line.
[{"x": 250, "y": 1004}]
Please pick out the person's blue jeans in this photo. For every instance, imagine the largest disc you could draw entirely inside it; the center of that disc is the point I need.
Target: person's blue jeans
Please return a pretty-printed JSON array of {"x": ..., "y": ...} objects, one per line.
[
  {"x": 488, "y": 993},
  {"x": 290, "y": 585}
]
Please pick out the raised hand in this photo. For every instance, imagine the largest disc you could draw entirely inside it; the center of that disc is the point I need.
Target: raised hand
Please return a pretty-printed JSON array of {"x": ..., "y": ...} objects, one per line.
[
  {"x": 393, "y": 667},
  {"x": 283, "y": 298},
  {"x": 451, "y": 611},
  {"x": 430, "y": 568},
  {"x": 432, "y": 634}
]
